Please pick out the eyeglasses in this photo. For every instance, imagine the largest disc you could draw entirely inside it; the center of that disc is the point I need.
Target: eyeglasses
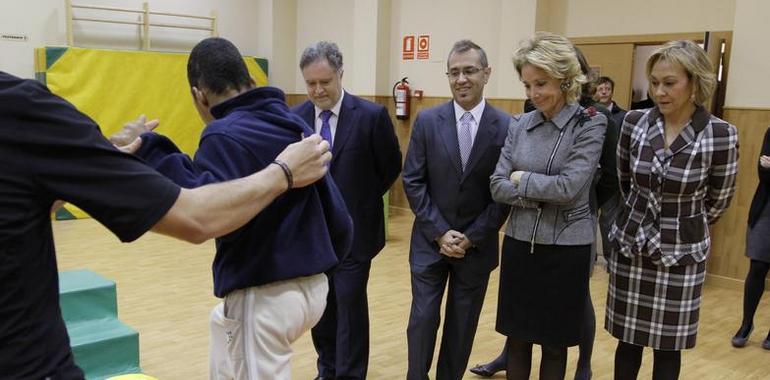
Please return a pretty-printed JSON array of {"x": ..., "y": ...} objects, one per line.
[{"x": 454, "y": 74}]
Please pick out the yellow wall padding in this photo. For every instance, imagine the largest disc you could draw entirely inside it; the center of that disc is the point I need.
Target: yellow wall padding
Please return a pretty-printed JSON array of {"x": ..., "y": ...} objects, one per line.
[{"x": 113, "y": 87}]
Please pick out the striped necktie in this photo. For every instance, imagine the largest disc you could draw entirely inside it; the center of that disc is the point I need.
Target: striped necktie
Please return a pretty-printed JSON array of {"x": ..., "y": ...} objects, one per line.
[{"x": 465, "y": 138}]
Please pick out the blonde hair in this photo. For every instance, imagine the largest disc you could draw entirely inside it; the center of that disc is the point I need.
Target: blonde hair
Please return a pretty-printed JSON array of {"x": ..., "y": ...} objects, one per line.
[
  {"x": 695, "y": 63},
  {"x": 556, "y": 56}
]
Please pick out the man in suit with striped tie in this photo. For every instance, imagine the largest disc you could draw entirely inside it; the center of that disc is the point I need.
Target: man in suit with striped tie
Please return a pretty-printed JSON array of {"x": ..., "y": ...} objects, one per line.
[{"x": 453, "y": 150}]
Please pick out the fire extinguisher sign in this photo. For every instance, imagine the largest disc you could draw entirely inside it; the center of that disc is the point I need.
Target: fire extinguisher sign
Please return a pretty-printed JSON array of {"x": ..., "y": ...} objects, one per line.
[
  {"x": 423, "y": 46},
  {"x": 420, "y": 44},
  {"x": 407, "y": 50}
]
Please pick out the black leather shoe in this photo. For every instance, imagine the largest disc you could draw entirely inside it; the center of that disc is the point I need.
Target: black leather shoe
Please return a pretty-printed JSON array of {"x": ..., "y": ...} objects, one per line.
[
  {"x": 486, "y": 370},
  {"x": 766, "y": 343},
  {"x": 740, "y": 341}
]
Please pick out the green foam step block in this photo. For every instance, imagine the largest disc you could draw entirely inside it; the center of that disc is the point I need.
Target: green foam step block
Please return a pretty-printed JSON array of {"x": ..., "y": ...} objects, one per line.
[
  {"x": 104, "y": 348},
  {"x": 85, "y": 295},
  {"x": 102, "y": 345}
]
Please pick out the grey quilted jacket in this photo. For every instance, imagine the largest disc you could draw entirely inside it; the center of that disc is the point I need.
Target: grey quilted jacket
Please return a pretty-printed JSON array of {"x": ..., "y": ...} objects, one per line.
[{"x": 559, "y": 158}]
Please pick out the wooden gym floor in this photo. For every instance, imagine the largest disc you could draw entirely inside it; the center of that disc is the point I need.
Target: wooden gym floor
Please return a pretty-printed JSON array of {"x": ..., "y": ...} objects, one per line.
[{"x": 165, "y": 292}]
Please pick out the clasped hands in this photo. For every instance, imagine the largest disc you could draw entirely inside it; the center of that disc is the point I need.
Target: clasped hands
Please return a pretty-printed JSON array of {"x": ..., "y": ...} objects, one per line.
[{"x": 453, "y": 244}]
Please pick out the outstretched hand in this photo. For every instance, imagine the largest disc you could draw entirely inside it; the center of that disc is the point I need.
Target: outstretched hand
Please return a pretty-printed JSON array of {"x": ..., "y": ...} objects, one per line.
[
  {"x": 132, "y": 147},
  {"x": 132, "y": 130}
]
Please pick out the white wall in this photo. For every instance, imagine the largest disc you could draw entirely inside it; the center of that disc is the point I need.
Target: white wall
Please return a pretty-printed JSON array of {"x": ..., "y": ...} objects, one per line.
[
  {"x": 329, "y": 20},
  {"x": 384, "y": 57},
  {"x": 621, "y": 17},
  {"x": 506, "y": 80},
  {"x": 43, "y": 22},
  {"x": 282, "y": 31},
  {"x": 365, "y": 39},
  {"x": 495, "y": 25},
  {"x": 264, "y": 26},
  {"x": 748, "y": 80},
  {"x": 369, "y": 32},
  {"x": 360, "y": 28}
]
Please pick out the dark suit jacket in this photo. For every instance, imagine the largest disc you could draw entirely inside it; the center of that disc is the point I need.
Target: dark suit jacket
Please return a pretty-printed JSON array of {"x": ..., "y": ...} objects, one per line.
[
  {"x": 366, "y": 160},
  {"x": 606, "y": 185},
  {"x": 442, "y": 196},
  {"x": 617, "y": 114},
  {"x": 763, "y": 188}
]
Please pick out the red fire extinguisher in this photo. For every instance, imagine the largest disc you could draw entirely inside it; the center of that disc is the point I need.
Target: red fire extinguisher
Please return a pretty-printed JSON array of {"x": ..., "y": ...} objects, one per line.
[{"x": 401, "y": 96}]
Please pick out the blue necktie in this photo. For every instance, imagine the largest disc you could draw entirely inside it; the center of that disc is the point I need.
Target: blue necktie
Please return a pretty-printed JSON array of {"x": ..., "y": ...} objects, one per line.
[
  {"x": 464, "y": 138},
  {"x": 326, "y": 129}
]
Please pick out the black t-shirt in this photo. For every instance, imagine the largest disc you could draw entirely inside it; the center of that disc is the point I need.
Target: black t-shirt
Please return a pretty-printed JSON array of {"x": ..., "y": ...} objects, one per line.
[{"x": 50, "y": 151}]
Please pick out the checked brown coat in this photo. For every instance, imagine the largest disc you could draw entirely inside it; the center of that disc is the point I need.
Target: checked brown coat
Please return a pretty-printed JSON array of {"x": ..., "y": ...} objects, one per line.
[{"x": 672, "y": 194}]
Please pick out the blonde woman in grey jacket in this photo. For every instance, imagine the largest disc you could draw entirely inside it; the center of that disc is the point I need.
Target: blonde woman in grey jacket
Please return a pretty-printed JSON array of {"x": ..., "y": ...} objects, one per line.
[{"x": 544, "y": 172}]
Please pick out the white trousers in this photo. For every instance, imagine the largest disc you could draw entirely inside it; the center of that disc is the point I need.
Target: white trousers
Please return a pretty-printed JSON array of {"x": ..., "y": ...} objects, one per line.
[{"x": 253, "y": 329}]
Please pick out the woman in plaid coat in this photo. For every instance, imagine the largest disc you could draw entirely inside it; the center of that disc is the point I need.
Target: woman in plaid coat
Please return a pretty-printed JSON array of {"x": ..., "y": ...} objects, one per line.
[{"x": 676, "y": 165}]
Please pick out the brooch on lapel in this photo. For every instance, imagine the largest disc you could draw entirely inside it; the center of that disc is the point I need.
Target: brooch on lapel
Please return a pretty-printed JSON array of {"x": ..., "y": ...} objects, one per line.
[{"x": 587, "y": 114}]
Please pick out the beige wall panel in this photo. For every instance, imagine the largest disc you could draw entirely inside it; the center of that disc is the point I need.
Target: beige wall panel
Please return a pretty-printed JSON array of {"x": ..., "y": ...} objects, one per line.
[
  {"x": 516, "y": 20},
  {"x": 551, "y": 16},
  {"x": 750, "y": 58},
  {"x": 365, "y": 41},
  {"x": 294, "y": 99},
  {"x": 615, "y": 61},
  {"x": 729, "y": 233},
  {"x": 283, "y": 45},
  {"x": 509, "y": 106},
  {"x": 384, "y": 58},
  {"x": 612, "y": 17}
]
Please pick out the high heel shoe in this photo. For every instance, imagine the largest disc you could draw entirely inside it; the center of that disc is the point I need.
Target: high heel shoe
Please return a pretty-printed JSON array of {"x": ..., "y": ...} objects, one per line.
[
  {"x": 740, "y": 341},
  {"x": 486, "y": 370}
]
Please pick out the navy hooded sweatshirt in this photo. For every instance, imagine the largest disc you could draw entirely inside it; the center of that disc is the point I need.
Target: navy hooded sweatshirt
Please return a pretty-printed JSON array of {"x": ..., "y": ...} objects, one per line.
[{"x": 305, "y": 231}]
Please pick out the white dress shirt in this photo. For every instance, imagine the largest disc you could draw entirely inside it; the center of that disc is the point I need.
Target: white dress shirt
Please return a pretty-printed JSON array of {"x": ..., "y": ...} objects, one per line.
[{"x": 476, "y": 112}]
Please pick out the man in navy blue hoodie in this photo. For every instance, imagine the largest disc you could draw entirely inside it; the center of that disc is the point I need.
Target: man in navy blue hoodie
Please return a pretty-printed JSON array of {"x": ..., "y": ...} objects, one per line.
[{"x": 271, "y": 271}]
